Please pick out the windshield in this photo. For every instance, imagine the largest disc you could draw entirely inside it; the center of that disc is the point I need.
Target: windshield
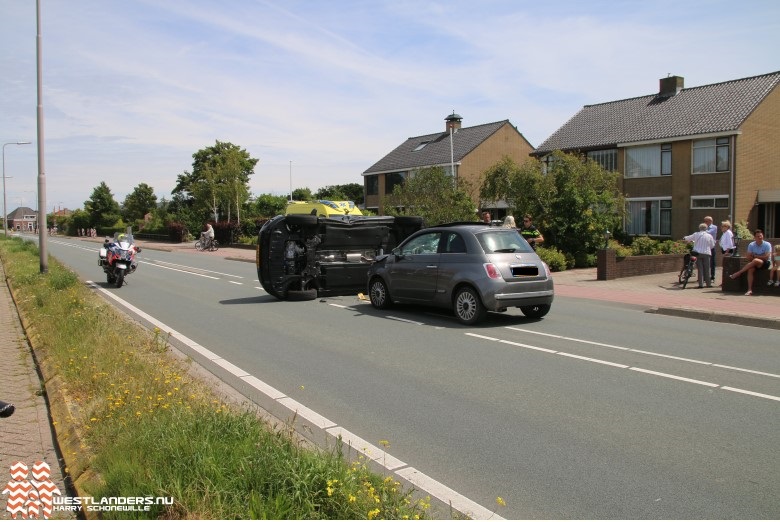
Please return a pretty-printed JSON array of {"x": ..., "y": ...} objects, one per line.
[
  {"x": 503, "y": 240},
  {"x": 123, "y": 237}
]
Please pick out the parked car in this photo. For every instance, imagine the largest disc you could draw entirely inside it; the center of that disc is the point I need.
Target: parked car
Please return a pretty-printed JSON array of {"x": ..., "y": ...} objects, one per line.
[
  {"x": 470, "y": 268},
  {"x": 301, "y": 256}
]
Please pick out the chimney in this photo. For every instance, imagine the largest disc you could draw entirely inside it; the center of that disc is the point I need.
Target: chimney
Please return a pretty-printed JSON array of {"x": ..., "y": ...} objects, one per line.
[
  {"x": 670, "y": 86},
  {"x": 453, "y": 122}
]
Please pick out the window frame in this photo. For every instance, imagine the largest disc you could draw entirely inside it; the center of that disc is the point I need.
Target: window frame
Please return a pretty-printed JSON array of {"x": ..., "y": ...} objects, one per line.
[
  {"x": 717, "y": 146},
  {"x": 663, "y": 219},
  {"x": 714, "y": 206},
  {"x": 659, "y": 156}
]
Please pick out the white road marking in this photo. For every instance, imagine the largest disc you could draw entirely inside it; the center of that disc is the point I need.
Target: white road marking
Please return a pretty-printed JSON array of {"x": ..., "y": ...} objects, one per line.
[
  {"x": 676, "y": 377},
  {"x": 423, "y": 482},
  {"x": 621, "y": 366},
  {"x": 644, "y": 352},
  {"x": 755, "y": 394}
]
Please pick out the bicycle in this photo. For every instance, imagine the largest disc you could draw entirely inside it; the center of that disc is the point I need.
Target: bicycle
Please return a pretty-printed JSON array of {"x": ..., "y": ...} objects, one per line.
[
  {"x": 688, "y": 270},
  {"x": 203, "y": 244}
]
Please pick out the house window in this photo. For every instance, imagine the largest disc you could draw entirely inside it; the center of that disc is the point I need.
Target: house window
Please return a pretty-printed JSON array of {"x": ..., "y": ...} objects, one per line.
[
  {"x": 421, "y": 146},
  {"x": 606, "y": 158},
  {"x": 651, "y": 217},
  {"x": 649, "y": 161},
  {"x": 666, "y": 159},
  {"x": 711, "y": 155},
  {"x": 372, "y": 185},
  {"x": 393, "y": 180},
  {"x": 698, "y": 202}
]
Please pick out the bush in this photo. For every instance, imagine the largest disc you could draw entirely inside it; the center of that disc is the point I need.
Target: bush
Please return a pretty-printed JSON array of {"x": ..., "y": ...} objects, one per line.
[
  {"x": 674, "y": 247},
  {"x": 644, "y": 246},
  {"x": 620, "y": 250},
  {"x": 554, "y": 258}
]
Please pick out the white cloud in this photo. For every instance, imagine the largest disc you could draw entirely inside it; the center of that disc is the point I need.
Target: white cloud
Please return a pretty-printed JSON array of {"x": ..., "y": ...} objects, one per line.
[{"x": 133, "y": 89}]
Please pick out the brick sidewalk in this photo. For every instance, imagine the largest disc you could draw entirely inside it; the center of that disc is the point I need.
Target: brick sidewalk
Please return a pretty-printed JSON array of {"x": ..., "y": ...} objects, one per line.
[{"x": 26, "y": 436}]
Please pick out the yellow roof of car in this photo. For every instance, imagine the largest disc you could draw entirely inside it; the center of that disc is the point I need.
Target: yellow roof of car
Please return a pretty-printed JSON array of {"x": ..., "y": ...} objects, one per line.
[{"x": 323, "y": 207}]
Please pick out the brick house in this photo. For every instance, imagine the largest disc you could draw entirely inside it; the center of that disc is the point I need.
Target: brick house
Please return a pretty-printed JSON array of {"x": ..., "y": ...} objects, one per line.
[
  {"x": 23, "y": 219},
  {"x": 469, "y": 151},
  {"x": 687, "y": 152}
]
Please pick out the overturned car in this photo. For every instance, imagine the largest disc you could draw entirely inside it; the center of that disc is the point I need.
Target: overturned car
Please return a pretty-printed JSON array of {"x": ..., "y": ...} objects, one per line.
[{"x": 301, "y": 256}]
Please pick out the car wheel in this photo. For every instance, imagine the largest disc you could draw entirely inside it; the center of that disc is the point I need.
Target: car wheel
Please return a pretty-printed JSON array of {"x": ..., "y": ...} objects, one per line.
[
  {"x": 468, "y": 307},
  {"x": 535, "y": 312},
  {"x": 301, "y": 219},
  {"x": 378, "y": 293}
]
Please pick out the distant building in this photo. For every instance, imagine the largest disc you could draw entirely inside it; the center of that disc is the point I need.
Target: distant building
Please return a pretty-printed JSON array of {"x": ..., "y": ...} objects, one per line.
[
  {"x": 23, "y": 219},
  {"x": 465, "y": 152},
  {"x": 684, "y": 153}
]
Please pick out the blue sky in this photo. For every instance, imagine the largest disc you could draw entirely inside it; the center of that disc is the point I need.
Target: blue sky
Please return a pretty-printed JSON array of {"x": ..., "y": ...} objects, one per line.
[{"x": 131, "y": 89}]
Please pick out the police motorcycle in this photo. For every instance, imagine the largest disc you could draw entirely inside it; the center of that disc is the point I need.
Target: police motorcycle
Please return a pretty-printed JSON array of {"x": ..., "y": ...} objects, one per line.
[{"x": 117, "y": 257}]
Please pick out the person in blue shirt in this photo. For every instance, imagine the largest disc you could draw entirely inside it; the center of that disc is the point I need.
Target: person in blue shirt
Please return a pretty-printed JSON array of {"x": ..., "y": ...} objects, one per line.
[{"x": 758, "y": 253}]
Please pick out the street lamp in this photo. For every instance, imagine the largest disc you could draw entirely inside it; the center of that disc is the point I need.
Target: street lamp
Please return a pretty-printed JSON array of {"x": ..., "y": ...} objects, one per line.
[{"x": 5, "y": 207}]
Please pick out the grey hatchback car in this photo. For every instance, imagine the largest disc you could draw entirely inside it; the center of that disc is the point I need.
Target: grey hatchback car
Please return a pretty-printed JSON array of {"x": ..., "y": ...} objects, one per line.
[{"x": 470, "y": 268}]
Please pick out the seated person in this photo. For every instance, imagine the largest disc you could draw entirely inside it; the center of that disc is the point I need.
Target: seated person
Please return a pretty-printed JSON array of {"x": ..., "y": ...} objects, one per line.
[{"x": 758, "y": 259}]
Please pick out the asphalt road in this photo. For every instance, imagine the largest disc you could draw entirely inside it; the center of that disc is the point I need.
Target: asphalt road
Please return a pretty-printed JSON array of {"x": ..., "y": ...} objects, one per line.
[{"x": 597, "y": 411}]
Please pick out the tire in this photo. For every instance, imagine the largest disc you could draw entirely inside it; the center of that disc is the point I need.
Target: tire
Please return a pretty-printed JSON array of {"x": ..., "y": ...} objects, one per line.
[
  {"x": 468, "y": 307},
  {"x": 687, "y": 275},
  {"x": 214, "y": 246},
  {"x": 379, "y": 294},
  {"x": 110, "y": 278},
  {"x": 198, "y": 245},
  {"x": 535, "y": 312},
  {"x": 305, "y": 220},
  {"x": 302, "y": 295},
  {"x": 120, "y": 279}
]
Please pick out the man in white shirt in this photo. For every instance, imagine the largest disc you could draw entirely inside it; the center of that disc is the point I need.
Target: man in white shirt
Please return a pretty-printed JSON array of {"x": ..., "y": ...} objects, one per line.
[
  {"x": 702, "y": 249},
  {"x": 713, "y": 230}
]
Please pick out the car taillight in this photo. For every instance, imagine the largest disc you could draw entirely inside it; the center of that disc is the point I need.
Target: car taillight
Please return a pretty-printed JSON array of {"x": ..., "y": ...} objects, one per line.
[
  {"x": 547, "y": 270},
  {"x": 492, "y": 271}
]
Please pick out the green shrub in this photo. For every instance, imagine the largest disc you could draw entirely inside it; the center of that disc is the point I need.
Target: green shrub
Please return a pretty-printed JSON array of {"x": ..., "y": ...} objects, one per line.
[
  {"x": 620, "y": 250},
  {"x": 674, "y": 247},
  {"x": 644, "y": 246},
  {"x": 554, "y": 258}
]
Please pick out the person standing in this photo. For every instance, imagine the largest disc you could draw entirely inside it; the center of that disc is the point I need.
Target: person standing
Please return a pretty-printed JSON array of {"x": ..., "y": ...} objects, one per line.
[
  {"x": 509, "y": 222},
  {"x": 726, "y": 239},
  {"x": 530, "y": 233},
  {"x": 702, "y": 246},
  {"x": 486, "y": 217},
  {"x": 758, "y": 252},
  {"x": 713, "y": 231}
]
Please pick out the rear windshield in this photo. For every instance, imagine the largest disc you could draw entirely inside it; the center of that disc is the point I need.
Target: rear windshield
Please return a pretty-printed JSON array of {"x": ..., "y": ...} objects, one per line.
[{"x": 496, "y": 241}]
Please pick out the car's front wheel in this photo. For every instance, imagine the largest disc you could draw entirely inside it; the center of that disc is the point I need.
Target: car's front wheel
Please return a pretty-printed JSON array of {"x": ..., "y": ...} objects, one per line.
[
  {"x": 378, "y": 293},
  {"x": 535, "y": 312},
  {"x": 468, "y": 307}
]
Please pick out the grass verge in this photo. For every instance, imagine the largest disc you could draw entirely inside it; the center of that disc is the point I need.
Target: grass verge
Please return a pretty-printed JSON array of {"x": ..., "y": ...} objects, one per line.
[{"x": 148, "y": 428}]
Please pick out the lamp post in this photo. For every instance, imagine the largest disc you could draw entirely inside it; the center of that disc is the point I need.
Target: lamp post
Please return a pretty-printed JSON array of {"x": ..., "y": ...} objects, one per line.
[{"x": 5, "y": 206}]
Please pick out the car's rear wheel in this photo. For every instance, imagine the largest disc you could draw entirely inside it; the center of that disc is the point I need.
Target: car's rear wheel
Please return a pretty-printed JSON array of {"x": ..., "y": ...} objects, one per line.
[
  {"x": 302, "y": 295},
  {"x": 378, "y": 293},
  {"x": 468, "y": 307},
  {"x": 536, "y": 311}
]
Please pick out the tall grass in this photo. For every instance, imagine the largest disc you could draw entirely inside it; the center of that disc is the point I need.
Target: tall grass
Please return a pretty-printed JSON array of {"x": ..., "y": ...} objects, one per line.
[{"x": 151, "y": 429}]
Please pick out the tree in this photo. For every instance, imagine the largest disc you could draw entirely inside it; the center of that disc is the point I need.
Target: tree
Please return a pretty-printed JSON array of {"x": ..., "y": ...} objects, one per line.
[
  {"x": 219, "y": 179},
  {"x": 431, "y": 193},
  {"x": 138, "y": 203},
  {"x": 348, "y": 192},
  {"x": 302, "y": 194},
  {"x": 102, "y": 208},
  {"x": 267, "y": 205},
  {"x": 573, "y": 201}
]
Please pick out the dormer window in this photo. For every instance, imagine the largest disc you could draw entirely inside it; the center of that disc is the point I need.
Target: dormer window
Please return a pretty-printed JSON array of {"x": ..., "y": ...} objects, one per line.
[{"x": 421, "y": 146}]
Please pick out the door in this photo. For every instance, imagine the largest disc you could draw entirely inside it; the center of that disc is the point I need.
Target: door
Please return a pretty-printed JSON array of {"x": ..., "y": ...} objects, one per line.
[{"x": 414, "y": 271}]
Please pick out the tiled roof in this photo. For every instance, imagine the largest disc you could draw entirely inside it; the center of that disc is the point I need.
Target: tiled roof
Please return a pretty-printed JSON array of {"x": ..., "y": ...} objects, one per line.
[
  {"x": 437, "y": 149},
  {"x": 719, "y": 107}
]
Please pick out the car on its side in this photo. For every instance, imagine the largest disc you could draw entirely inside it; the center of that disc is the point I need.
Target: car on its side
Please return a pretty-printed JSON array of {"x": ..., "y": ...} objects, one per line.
[
  {"x": 301, "y": 256},
  {"x": 323, "y": 208},
  {"x": 471, "y": 268}
]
